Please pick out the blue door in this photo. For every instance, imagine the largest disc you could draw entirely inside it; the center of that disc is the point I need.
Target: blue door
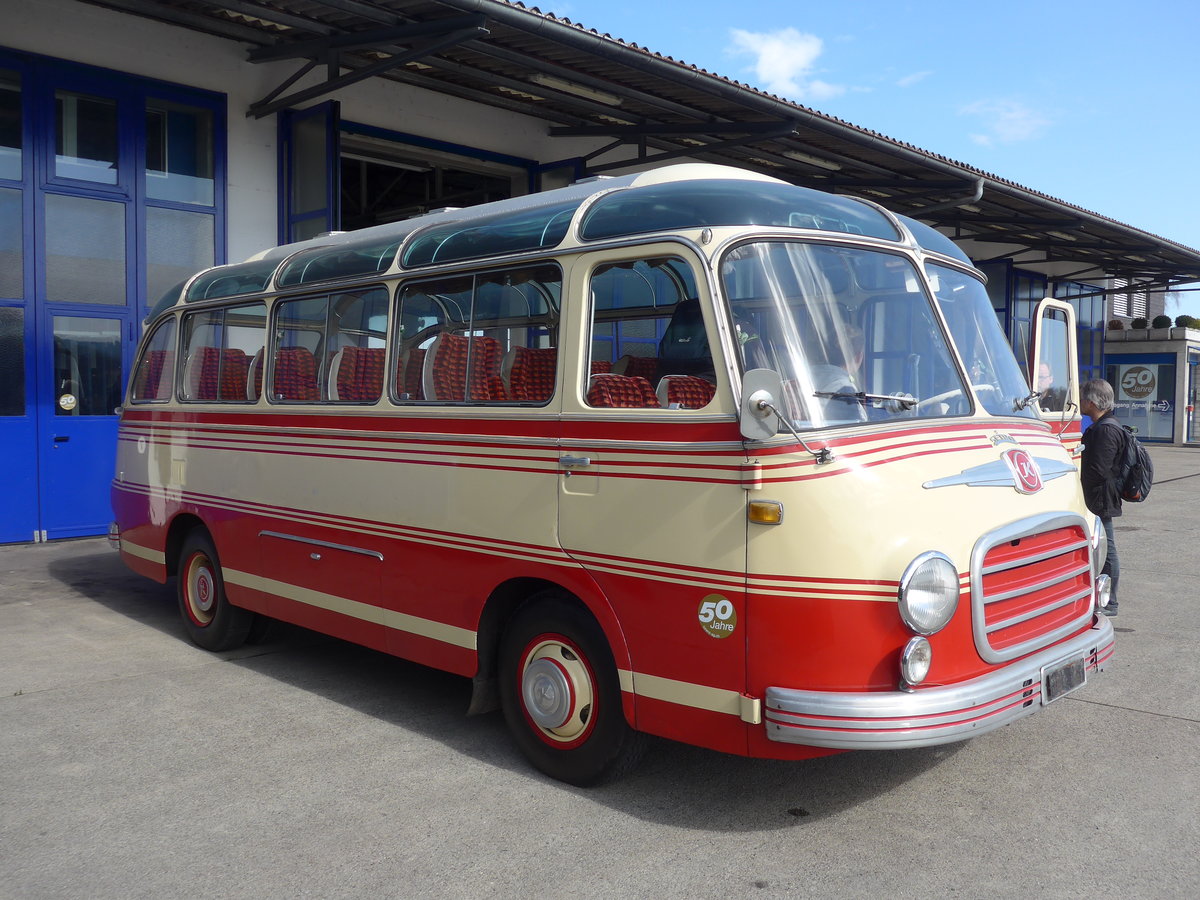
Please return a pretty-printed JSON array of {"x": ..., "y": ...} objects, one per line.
[
  {"x": 77, "y": 427},
  {"x": 111, "y": 192}
]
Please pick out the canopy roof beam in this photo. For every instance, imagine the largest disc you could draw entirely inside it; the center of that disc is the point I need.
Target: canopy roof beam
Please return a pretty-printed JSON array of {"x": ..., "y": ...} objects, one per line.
[{"x": 442, "y": 35}]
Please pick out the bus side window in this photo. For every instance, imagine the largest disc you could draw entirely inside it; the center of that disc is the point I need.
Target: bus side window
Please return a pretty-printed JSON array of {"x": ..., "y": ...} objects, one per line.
[
  {"x": 298, "y": 351},
  {"x": 356, "y": 340},
  {"x": 155, "y": 371},
  {"x": 649, "y": 345},
  {"x": 488, "y": 338},
  {"x": 219, "y": 348}
]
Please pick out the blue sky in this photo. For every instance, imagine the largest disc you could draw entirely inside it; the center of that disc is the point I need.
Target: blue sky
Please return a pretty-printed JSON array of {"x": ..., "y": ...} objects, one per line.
[{"x": 1095, "y": 103}]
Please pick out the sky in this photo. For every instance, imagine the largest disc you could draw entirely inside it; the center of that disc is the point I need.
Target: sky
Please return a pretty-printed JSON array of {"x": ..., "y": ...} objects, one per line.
[{"x": 1094, "y": 103}]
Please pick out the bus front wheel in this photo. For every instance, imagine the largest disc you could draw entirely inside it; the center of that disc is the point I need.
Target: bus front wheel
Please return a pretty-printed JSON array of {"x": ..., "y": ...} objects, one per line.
[
  {"x": 561, "y": 695},
  {"x": 209, "y": 619}
]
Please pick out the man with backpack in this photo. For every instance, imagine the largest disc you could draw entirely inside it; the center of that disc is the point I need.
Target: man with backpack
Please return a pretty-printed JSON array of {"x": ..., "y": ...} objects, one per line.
[{"x": 1102, "y": 469}]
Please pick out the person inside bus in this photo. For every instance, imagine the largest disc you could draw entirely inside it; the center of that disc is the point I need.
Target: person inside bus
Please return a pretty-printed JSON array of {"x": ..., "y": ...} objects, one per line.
[
  {"x": 1052, "y": 397},
  {"x": 837, "y": 380}
]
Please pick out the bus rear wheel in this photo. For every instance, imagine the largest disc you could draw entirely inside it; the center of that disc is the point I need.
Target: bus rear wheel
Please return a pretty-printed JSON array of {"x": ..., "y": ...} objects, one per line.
[
  {"x": 209, "y": 619},
  {"x": 561, "y": 695}
]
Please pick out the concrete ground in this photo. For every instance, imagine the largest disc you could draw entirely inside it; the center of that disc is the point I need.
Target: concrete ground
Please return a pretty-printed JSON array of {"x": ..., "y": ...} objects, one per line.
[{"x": 136, "y": 765}]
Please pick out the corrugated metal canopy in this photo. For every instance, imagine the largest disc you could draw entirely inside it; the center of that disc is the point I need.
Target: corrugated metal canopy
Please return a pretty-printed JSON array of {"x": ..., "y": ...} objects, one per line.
[{"x": 644, "y": 108}]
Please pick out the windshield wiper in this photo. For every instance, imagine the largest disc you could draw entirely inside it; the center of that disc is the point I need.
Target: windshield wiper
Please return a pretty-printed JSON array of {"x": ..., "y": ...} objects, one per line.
[{"x": 893, "y": 402}]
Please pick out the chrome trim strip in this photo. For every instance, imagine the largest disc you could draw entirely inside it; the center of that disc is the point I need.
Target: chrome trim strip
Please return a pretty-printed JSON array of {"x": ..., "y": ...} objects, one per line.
[
  {"x": 315, "y": 543},
  {"x": 926, "y": 717},
  {"x": 1040, "y": 611},
  {"x": 1026, "y": 560},
  {"x": 1018, "y": 592}
]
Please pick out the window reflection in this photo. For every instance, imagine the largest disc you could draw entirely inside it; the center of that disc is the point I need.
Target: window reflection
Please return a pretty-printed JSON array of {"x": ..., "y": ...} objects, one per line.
[
  {"x": 10, "y": 125},
  {"x": 87, "y": 366},
  {"x": 86, "y": 140},
  {"x": 179, "y": 153}
]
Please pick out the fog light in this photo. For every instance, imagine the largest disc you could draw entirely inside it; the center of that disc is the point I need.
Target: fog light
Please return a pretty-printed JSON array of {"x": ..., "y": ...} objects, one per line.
[
  {"x": 1103, "y": 591},
  {"x": 915, "y": 661}
]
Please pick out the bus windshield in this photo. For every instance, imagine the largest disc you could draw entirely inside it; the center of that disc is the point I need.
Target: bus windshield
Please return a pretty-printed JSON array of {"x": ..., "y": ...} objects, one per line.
[
  {"x": 850, "y": 331},
  {"x": 976, "y": 331}
]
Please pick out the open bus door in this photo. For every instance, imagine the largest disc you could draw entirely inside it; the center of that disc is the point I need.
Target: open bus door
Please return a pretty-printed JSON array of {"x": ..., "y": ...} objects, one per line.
[{"x": 1054, "y": 369}]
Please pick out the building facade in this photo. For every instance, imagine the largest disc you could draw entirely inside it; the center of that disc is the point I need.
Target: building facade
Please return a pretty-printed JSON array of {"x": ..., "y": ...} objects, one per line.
[{"x": 136, "y": 150}]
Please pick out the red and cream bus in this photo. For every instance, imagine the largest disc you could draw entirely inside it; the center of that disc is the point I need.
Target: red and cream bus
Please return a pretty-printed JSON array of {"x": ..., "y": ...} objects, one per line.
[{"x": 693, "y": 453}]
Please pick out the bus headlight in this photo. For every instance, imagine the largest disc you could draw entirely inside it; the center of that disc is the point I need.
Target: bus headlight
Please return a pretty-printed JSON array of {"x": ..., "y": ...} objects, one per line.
[
  {"x": 928, "y": 592},
  {"x": 915, "y": 660},
  {"x": 1099, "y": 545}
]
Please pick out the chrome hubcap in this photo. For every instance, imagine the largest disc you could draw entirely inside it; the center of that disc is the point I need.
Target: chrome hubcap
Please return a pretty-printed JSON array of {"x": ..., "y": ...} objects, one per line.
[{"x": 556, "y": 689}]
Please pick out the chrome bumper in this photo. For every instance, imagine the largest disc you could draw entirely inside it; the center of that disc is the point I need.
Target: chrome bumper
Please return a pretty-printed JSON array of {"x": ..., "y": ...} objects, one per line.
[{"x": 928, "y": 716}]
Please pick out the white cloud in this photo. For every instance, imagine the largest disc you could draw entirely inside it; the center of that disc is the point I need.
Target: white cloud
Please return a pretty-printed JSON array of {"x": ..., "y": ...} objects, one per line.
[
  {"x": 1005, "y": 122},
  {"x": 910, "y": 80},
  {"x": 784, "y": 62}
]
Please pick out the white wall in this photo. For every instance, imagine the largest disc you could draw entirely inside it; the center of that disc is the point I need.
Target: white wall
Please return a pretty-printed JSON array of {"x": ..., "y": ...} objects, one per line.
[{"x": 67, "y": 29}]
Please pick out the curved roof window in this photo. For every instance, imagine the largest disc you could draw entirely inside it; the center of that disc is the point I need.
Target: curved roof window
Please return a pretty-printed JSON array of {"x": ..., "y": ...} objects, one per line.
[
  {"x": 344, "y": 260},
  {"x": 710, "y": 203},
  {"x": 230, "y": 281},
  {"x": 934, "y": 241},
  {"x": 476, "y": 238}
]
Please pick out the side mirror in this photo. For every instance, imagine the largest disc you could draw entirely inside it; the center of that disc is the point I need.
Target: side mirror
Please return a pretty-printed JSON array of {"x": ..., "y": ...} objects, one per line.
[{"x": 760, "y": 388}]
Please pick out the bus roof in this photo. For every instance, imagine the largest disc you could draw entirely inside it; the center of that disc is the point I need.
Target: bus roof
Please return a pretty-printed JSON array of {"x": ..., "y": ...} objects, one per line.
[{"x": 672, "y": 198}]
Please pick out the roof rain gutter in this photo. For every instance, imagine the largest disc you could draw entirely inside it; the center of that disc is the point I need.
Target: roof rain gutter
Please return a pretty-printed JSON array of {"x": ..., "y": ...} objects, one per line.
[{"x": 976, "y": 193}]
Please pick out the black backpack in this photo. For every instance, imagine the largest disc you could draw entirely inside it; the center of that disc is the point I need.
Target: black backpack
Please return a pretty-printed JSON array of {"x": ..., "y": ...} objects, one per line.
[{"x": 1137, "y": 470}]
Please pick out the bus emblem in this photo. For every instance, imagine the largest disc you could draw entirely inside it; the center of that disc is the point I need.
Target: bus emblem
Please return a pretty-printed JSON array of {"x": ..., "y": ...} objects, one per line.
[{"x": 1028, "y": 478}]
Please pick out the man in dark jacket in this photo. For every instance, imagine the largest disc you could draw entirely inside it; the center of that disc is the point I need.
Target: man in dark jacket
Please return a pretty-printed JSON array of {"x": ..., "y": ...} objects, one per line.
[{"x": 1100, "y": 471}]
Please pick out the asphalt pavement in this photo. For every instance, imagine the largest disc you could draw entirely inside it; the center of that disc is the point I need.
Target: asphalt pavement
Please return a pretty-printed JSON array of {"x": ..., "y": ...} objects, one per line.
[{"x": 138, "y": 766}]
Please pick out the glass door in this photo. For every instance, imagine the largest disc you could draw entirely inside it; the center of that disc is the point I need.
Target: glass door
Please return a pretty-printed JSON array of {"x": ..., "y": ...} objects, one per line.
[
  {"x": 78, "y": 424},
  {"x": 84, "y": 285}
]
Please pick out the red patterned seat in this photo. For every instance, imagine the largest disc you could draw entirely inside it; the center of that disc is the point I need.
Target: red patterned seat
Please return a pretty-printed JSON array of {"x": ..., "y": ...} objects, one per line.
[
  {"x": 609, "y": 391},
  {"x": 640, "y": 366},
  {"x": 357, "y": 374},
  {"x": 254, "y": 376},
  {"x": 408, "y": 378},
  {"x": 446, "y": 377},
  {"x": 601, "y": 366},
  {"x": 685, "y": 392},
  {"x": 295, "y": 375},
  {"x": 202, "y": 373},
  {"x": 154, "y": 376},
  {"x": 530, "y": 373},
  {"x": 234, "y": 367}
]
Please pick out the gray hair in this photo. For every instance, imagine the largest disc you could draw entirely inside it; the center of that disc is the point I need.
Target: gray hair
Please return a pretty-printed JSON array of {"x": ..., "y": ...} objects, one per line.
[{"x": 1098, "y": 393}]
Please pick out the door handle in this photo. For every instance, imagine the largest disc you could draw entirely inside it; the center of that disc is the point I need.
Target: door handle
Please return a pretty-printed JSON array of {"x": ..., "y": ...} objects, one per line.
[
  {"x": 61, "y": 438},
  {"x": 574, "y": 462}
]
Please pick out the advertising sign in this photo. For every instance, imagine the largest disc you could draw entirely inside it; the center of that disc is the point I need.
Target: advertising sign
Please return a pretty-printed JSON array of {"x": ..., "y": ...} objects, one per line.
[{"x": 1145, "y": 398}]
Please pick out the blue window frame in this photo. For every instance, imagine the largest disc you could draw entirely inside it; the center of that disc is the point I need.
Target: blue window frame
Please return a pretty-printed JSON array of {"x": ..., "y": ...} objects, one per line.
[{"x": 111, "y": 186}]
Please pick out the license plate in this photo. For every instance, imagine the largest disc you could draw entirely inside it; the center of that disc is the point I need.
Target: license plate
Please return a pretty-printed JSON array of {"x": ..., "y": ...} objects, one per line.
[{"x": 1061, "y": 678}]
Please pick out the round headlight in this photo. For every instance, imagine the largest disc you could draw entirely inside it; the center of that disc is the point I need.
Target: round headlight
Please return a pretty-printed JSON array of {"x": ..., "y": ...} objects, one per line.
[
  {"x": 1099, "y": 545},
  {"x": 928, "y": 593},
  {"x": 915, "y": 660}
]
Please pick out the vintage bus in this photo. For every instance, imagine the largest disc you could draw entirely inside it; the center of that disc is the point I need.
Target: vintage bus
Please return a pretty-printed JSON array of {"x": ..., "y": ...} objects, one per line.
[{"x": 692, "y": 453}]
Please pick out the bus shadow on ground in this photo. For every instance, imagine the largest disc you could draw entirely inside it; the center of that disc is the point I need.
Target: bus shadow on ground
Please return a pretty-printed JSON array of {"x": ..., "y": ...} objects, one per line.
[{"x": 675, "y": 784}]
